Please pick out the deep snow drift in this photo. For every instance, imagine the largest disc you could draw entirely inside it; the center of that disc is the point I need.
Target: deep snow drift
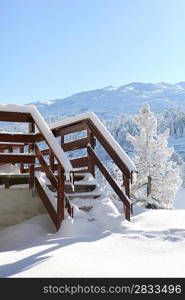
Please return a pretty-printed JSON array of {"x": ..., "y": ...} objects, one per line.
[{"x": 98, "y": 243}]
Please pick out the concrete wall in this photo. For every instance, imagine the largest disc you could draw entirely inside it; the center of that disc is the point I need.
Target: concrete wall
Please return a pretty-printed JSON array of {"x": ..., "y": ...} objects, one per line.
[{"x": 17, "y": 205}]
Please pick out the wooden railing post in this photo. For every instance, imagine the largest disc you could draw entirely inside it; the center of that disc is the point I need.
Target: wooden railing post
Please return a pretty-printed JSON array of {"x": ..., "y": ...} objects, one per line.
[
  {"x": 31, "y": 148},
  {"x": 126, "y": 182},
  {"x": 60, "y": 194},
  {"x": 51, "y": 160},
  {"x": 92, "y": 142},
  {"x": 62, "y": 140},
  {"x": 10, "y": 149},
  {"x": 22, "y": 164}
]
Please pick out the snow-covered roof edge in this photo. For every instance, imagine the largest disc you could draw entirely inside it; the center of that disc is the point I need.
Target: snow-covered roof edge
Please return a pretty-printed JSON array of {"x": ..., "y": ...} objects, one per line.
[{"x": 110, "y": 139}]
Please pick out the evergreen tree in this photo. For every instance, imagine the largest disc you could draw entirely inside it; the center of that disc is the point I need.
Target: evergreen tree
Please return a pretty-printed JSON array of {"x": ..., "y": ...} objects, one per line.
[{"x": 158, "y": 177}]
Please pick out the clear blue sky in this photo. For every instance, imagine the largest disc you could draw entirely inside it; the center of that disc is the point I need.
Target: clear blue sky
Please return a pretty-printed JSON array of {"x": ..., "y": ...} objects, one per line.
[{"x": 53, "y": 48}]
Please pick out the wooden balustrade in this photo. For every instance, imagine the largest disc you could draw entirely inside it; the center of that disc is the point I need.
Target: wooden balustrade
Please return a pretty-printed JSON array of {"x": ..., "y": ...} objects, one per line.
[
  {"x": 50, "y": 165},
  {"x": 26, "y": 142},
  {"x": 88, "y": 163}
]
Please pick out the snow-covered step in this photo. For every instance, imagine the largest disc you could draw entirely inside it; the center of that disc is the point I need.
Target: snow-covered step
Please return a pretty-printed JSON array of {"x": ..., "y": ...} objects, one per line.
[
  {"x": 83, "y": 183},
  {"x": 86, "y": 195},
  {"x": 80, "y": 188}
]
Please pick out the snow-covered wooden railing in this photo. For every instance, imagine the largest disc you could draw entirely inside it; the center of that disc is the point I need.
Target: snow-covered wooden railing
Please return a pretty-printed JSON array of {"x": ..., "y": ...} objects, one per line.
[
  {"x": 95, "y": 130},
  {"x": 56, "y": 159},
  {"x": 30, "y": 114},
  {"x": 16, "y": 113}
]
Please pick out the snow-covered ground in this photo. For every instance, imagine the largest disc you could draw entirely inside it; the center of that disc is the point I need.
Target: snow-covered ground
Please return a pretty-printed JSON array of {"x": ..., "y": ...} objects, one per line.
[{"x": 98, "y": 243}]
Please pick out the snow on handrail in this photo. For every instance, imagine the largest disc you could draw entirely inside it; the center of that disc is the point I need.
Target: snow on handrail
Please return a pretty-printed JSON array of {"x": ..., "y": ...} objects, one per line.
[
  {"x": 107, "y": 135},
  {"x": 44, "y": 129}
]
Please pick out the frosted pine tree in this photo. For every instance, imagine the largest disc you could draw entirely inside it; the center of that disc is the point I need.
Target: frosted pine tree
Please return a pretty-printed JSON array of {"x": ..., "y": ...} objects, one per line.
[{"x": 158, "y": 177}]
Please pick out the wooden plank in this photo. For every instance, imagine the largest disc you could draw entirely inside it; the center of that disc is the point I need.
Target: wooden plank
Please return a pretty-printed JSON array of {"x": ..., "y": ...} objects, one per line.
[
  {"x": 17, "y": 137},
  {"x": 45, "y": 167},
  {"x": 127, "y": 213},
  {"x": 21, "y": 149},
  {"x": 46, "y": 201},
  {"x": 7, "y": 116},
  {"x": 75, "y": 145},
  {"x": 31, "y": 148},
  {"x": 5, "y": 145},
  {"x": 126, "y": 182},
  {"x": 109, "y": 148},
  {"x": 109, "y": 178},
  {"x": 60, "y": 194},
  {"x": 92, "y": 142},
  {"x": 79, "y": 162},
  {"x": 64, "y": 130},
  {"x": 45, "y": 152},
  {"x": 26, "y": 170},
  {"x": 91, "y": 138},
  {"x": 81, "y": 171},
  {"x": 62, "y": 140},
  {"x": 51, "y": 160},
  {"x": 10, "y": 149},
  {"x": 70, "y": 128},
  {"x": 39, "y": 168},
  {"x": 14, "y": 158},
  {"x": 31, "y": 177},
  {"x": 31, "y": 127},
  {"x": 70, "y": 146}
]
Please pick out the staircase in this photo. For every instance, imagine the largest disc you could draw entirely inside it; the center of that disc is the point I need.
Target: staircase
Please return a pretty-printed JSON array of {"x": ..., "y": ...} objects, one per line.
[
  {"x": 41, "y": 155},
  {"x": 85, "y": 188}
]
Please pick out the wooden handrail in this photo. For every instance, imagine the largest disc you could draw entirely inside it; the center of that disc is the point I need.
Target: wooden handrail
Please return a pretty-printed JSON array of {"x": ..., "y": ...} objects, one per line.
[
  {"x": 54, "y": 162},
  {"x": 9, "y": 116},
  {"x": 50, "y": 140},
  {"x": 122, "y": 196},
  {"x": 64, "y": 167},
  {"x": 43, "y": 195},
  {"x": 45, "y": 167},
  {"x": 95, "y": 130},
  {"x": 109, "y": 148}
]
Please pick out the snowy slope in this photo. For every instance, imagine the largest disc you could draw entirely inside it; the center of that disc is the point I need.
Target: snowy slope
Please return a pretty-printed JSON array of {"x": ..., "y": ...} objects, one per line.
[
  {"x": 111, "y": 101},
  {"x": 99, "y": 243}
]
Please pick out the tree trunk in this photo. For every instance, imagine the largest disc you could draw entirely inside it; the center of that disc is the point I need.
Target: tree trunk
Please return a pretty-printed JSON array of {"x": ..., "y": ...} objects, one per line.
[
  {"x": 149, "y": 186},
  {"x": 149, "y": 190}
]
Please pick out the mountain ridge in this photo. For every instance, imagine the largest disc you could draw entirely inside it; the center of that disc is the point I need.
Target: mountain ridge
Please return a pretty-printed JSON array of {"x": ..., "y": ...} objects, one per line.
[{"x": 111, "y": 101}]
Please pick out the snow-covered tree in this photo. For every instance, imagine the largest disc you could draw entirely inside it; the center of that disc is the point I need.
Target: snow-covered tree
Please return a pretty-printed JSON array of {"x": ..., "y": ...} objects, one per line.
[{"x": 158, "y": 177}]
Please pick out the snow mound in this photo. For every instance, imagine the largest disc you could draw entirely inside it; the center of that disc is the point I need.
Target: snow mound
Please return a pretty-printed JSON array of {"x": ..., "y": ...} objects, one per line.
[
  {"x": 97, "y": 243},
  {"x": 9, "y": 169},
  {"x": 21, "y": 235},
  {"x": 158, "y": 220}
]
